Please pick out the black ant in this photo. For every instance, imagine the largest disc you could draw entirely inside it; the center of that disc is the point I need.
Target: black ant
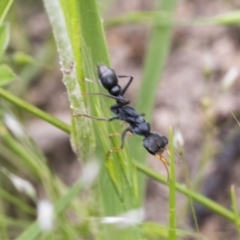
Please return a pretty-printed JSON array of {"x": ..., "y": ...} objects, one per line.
[{"x": 154, "y": 142}]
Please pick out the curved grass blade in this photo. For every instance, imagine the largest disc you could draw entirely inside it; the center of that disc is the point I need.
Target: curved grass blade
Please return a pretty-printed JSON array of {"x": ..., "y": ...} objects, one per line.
[
  {"x": 80, "y": 21},
  {"x": 4, "y": 7},
  {"x": 34, "y": 110},
  {"x": 172, "y": 191},
  {"x": 155, "y": 60},
  {"x": 4, "y": 39},
  {"x": 6, "y": 75},
  {"x": 80, "y": 132},
  {"x": 210, "y": 204}
]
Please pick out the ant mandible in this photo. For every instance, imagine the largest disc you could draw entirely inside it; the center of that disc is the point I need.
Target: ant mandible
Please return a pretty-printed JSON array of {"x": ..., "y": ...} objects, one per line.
[{"x": 154, "y": 142}]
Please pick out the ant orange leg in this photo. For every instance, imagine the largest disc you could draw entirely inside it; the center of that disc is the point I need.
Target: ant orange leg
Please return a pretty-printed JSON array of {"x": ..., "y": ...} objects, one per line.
[
  {"x": 165, "y": 163},
  {"x": 114, "y": 135},
  {"x": 90, "y": 80},
  {"x": 128, "y": 134},
  {"x": 168, "y": 152},
  {"x": 122, "y": 123},
  {"x": 114, "y": 150}
]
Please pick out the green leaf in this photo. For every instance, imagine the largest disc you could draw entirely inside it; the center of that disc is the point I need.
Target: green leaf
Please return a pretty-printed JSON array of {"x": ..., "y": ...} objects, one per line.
[
  {"x": 81, "y": 137},
  {"x": 172, "y": 191},
  {"x": 6, "y": 75},
  {"x": 34, "y": 110},
  {"x": 4, "y": 7},
  {"x": 154, "y": 230},
  {"x": 154, "y": 64},
  {"x": 141, "y": 17},
  {"x": 34, "y": 231},
  {"x": 81, "y": 44},
  {"x": 230, "y": 18},
  {"x": 4, "y": 38},
  {"x": 210, "y": 204},
  {"x": 22, "y": 58}
]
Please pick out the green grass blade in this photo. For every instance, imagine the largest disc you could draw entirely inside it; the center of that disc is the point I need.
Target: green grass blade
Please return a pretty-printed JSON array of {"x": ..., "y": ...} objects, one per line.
[
  {"x": 4, "y": 7},
  {"x": 13, "y": 222},
  {"x": 34, "y": 110},
  {"x": 230, "y": 18},
  {"x": 92, "y": 43},
  {"x": 17, "y": 202},
  {"x": 152, "y": 17},
  {"x": 34, "y": 231},
  {"x": 93, "y": 33},
  {"x": 155, "y": 60},
  {"x": 210, "y": 204},
  {"x": 117, "y": 175},
  {"x": 6, "y": 75},
  {"x": 81, "y": 131},
  {"x": 172, "y": 191},
  {"x": 4, "y": 39},
  {"x": 235, "y": 209}
]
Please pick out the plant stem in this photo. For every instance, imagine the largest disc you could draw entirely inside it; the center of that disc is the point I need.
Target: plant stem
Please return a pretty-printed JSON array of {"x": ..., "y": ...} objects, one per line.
[
  {"x": 172, "y": 190},
  {"x": 210, "y": 204},
  {"x": 34, "y": 110}
]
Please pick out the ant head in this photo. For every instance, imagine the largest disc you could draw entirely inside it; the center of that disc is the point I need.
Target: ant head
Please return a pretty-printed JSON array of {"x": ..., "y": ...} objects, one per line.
[
  {"x": 155, "y": 143},
  {"x": 102, "y": 69},
  {"x": 107, "y": 77}
]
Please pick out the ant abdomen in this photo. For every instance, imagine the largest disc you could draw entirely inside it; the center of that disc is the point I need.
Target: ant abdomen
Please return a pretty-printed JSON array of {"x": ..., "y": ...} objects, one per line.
[
  {"x": 155, "y": 143},
  {"x": 109, "y": 79}
]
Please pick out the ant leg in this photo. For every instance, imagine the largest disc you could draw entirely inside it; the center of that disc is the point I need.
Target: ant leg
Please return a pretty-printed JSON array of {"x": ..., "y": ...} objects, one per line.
[
  {"x": 107, "y": 95},
  {"x": 179, "y": 155},
  {"x": 97, "y": 118},
  {"x": 124, "y": 76},
  {"x": 124, "y": 135},
  {"x": 112, "y": 151},
  {"x": 165, "y": 163},
  {"x": 116, "y": 134},
  {"x": 127, "y": 85},
  {"x": 168, "y": 152},
  {"x": 90, "y": 80},
  {"x": 122, "y": 144}
]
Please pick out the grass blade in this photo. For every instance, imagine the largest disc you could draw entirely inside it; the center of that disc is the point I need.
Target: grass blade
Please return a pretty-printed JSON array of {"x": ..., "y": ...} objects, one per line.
[
  {"x": 4, "y": 7},
  {"x": 6, "y": 75},
  {"x": 80, "y": 21},
  {"x": 34, "y": 231},
  {"x": 172, "y": 191},
  {"x": 4, "y": 39},
  {"x": 80, "y": 132},
  {"x": 235, "y": 208},
  {"x": 155, "y": 61},
  {"x": 34, "y": 110},
  {"x": 210, "y": 204}
]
